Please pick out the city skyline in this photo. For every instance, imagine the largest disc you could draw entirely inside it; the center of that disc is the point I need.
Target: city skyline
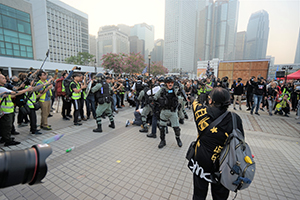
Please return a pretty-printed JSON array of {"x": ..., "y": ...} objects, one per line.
[{"x": 284, "y": 22}]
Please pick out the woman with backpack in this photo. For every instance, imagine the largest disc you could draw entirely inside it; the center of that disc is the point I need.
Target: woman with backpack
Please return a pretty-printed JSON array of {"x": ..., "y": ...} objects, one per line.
[{"x": 210, "y": 142}]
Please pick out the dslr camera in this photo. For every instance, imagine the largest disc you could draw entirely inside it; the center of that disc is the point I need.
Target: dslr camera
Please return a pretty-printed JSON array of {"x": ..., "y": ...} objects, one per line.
[
  {"x": 24, "y": 166},
  {"x": 78, "y": 68}
]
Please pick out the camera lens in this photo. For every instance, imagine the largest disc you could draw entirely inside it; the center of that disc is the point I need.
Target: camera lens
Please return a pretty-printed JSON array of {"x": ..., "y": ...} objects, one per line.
[{"x": 24, "y": 166}]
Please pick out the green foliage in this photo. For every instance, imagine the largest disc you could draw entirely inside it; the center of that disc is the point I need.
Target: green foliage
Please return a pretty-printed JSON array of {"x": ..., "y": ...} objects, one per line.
[
  {"x": 124, "y": 63},
  {"x": 82, "y": 58},
  {"x": 158, "y": 69}
]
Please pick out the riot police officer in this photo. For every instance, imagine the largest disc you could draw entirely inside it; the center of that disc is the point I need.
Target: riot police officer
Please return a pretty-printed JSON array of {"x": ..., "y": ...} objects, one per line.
[
  {"x": 168, "y": 100},
  {"x": 147, "y": 109},
  {"x": 103, "y": 92},
  {"x": 138, "y": 87},
  {"x": 182, "y": 98}
]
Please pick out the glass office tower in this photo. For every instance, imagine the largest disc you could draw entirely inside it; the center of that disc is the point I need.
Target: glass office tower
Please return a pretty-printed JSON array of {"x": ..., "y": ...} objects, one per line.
[{"x": 15, "y": 33}]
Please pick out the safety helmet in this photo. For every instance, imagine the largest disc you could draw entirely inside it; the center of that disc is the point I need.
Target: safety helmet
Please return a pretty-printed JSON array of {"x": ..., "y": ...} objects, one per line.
[
  {"x": 161, "y": 79},
  {"x": 169, "y": 79},
  {"x": 100, "y": 76},
  {"x": 140, "y": 77},
  {"x": 145, "y": 85}
]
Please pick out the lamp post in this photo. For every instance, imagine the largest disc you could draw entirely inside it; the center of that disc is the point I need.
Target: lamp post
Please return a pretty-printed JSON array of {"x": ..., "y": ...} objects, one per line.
[
  {"x": 95, "y": 62},
  {"x": 286, "y": 68},
  {"x": 149, "y": 57}
]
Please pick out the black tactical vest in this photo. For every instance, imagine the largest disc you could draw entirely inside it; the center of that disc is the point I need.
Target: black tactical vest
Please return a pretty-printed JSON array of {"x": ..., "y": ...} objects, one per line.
[
  {"x": 102, "y": 95},
  {"x": 168, "y": 99}
]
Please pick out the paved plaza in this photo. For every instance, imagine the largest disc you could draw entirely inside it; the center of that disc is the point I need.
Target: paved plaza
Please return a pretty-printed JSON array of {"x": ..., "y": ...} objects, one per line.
[{"x": 123, "y": 163}]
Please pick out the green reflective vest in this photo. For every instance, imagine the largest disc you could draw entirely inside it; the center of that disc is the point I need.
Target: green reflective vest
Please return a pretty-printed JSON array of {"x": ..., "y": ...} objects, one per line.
[
  {"x": 43, "y": 97},
  {"x": 32, "y": 99},
  {"x": 7, "y": 106},
  {"x": 74, "y": 94},
  {"x": 202, "y": 91}
]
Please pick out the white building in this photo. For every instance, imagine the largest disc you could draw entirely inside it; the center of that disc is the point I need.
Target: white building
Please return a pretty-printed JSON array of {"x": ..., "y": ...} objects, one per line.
[
  {"x": 180, "y": 28},
  {"x": 144, "y": 32},
  {"x": 111, "y": 40},
  {"x": 60, "y": 28}
]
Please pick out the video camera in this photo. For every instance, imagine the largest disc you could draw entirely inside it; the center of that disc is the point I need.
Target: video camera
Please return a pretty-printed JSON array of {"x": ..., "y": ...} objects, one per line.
[{"x": 24, "y": 166}]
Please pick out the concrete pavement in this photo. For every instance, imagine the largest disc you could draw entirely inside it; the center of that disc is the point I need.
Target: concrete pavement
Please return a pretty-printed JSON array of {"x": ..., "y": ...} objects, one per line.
[{"x": 123, "y": 163}]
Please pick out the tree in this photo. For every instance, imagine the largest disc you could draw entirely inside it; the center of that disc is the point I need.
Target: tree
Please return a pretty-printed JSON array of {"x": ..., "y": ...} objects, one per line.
[
  {"x": 82, "y": 58},
  {"x": 134, "y": 63},
  {"x": 113, "y": 61},
  {"x": 158, "y": 69}
]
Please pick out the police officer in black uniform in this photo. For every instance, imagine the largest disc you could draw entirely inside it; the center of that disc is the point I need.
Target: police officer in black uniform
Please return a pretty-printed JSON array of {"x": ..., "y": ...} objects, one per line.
[
  {"x": 138, "y": 87},
  {"x": 168, "y": 100},
  {"x": 103, "y": 91}
]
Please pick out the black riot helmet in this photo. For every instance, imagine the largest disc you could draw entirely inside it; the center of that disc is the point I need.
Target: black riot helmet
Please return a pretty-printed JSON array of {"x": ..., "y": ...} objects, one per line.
[
  {"x": 100, "y": 76},
  {"x": 145, "y": 85},
  {"x": 161, "y": 79},
  {"x": 140, "y": 77},
  {"x": 169, "y": 79}
]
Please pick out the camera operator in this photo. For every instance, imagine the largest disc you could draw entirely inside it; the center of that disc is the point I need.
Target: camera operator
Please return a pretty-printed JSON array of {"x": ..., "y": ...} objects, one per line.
[
  {"x": 7, "y": 108},
  {"x": 22, "y": 118},
  {"x": 259, "y": 91},
  {"x": 238, "y": 90},
  {"x": 61, "y": 91},
  {"x": 44, "y": 95}
]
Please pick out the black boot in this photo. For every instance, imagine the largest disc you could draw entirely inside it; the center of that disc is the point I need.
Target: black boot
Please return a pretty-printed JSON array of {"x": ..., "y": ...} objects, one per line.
[
  {"x": 144, "y": 130},
  {"x": 112, "y": 124},
  {"x": 177, "y": 133},
  {"x": 162, "y": 138},
  {"x": 179, "y": 143},
  {"x": 186, "y": 116},
  {"x": 151, "y": 135},
  {"x": 98, "y": 129},
  {"x": 181, "y": 121}
]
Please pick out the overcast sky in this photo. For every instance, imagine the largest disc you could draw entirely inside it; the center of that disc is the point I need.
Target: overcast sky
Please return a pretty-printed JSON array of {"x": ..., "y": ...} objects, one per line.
[{"x": 284, "y": 16}]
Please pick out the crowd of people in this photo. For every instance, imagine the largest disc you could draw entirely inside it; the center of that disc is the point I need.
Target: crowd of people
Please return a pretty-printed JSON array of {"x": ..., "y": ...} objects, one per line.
[{"x": 158, "y": 102}]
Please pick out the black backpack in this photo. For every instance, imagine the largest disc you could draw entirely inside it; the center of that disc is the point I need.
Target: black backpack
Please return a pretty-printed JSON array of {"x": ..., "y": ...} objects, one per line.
[{"x": 67, "y": 83}]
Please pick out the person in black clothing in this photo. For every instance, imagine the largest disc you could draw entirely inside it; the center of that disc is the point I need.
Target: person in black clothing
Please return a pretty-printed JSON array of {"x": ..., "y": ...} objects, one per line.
[
  {"x": 271, "y": 95},
  {"x": 259, "y": 91},
  {"x": 249, "y": 93},
  {"x": 208, "y": 148},
  {"x": 237, "y": 93}
]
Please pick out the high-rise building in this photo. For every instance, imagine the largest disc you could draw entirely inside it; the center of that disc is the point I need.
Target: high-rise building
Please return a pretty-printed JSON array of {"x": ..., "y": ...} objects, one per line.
[
  {"x": 157, "y": 55},
  {"x": 204, "y": 30},
  {"x": 137, "y": 45},
  {"x": 180, "y": 28},
  {"x": 111, "y": 40},
  {"x": 216, "y": 29},
  {"x": 92, "y": 44},
  {"x": 124, "y": 28},
  {"x": 239, "y": 45},
  {"x": 297, "y": 56},
  {"x": 224, "y": 29},
  {"x": 257, "y": 36},
  {"x": 16, "y": 34},
  {"x": 144, "y": 32},
  {"x": 60, "y": 28}
]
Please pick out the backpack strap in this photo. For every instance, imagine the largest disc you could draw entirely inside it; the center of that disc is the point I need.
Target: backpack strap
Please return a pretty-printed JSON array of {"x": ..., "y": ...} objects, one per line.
[{"x": 234, "y": 125}]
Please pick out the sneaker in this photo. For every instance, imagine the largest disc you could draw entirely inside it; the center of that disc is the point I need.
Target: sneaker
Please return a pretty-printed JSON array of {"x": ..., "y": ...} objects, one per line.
[
  {"x": 123, "y": 105},
  {"x": 248, "y": 109},
  {"x": 77, "y": 124},
  {"x": 65, "y": 118},
  {"x": 11, "y": 143},
  {"x": 47, "y": 128},
  {"x": 50, "y": 115},
  {"x": 262, "y": 109},
  {"x": 69, "y": 116},
  {"x": 234, "y": 108},
  {"x": 257, "y": 113},
  {"x": 127, "y": 123},
  {"x": 286, "y": 115},
  {"x": 84, "y": 119},
  {"x": 15, "y": 133},
  {"x": 270, "y": 114}
]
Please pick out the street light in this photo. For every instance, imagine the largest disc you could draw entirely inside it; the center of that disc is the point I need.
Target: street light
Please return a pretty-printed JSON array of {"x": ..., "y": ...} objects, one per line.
[
  {"x": 95, "y": 65},
  {"x": 286, "y": 68},
  {"x": 149, "y": 57}
]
